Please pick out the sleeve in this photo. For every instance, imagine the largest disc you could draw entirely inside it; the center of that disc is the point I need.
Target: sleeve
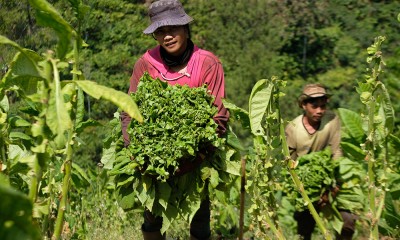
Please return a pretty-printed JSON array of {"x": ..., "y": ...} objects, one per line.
[
  {"x": 215, "y": 81},
  {"x": 291, "y": 140},
  {"x": 336, "y": 138},
  {"x": 138, "y": 71}
]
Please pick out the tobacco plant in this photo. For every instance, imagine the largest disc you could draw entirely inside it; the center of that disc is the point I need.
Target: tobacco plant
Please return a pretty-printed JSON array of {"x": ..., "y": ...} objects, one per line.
[
  {"x": 267, "y": 158},
  {"x": 38, "y": 139},
  {"x": 369, "y": 139}
]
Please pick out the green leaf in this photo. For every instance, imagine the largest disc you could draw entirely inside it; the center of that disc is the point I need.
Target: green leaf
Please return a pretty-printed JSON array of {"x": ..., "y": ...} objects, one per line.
[
  {"x": 5, "y": 40},
  {"x": 334, "y": 218},
  {"x": 164, "y": 193},
  {"x": 237, "y": 113},
  {"x": 391, "y": 214},
  {"x": 17, "y": 121},
  {"x": 233, "y": 141},
  {"x": 79, "y": 171},
  {"x": 352, "y": 124},
  {"x": 214, "y": 178},
  {"x": 387, "y": 109},
  {"x": 352, "y": 150},
  {"x": 80, "y": 110},
  {"x": 16, "y": 215},
  {"x": 108, "y": 156},
  {"x": 126, "y": 197},
  {"x": 120, "y": 99},
  {"x": 57, "y": 116},
  {"x": 24, "y": 65},
  {"x": 168, "y": 217},
  {"x": 40, "y": 209},
  {"x": 259, "y": 102},
  {"x": 48, "y": 16},
  {"x": 24, "y": 70},
  {"x": 4, "y": 104},
  {"x": 19, "y": 136},
  {"x": 233, "y": 168}
]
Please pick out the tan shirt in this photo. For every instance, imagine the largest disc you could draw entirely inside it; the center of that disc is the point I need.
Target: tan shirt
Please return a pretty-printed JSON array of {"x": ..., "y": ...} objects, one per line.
[{"x": 300, "y": 142}]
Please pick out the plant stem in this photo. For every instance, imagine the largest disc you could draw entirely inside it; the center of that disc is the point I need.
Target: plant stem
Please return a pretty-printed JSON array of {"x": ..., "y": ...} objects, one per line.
[
  {"x": 242, "y": 198},
  {"x": 68, "y": 160},
  {"x": 300, "y": 186},
  {"x": 65, "y": 189}
]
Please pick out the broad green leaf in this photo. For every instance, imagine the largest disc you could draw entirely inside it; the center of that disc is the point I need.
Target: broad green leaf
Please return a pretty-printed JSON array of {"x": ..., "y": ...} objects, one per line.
[
  {"x": 79, "y": 171},
  {"x": 120, "y": 99},
  {"x": 259, "y": 102},
  {"x": 5, "y": 40},
  {"x": 19, "y": 136},
  {"x": 16, "y": 215},
  {"x": 40, "y": 209},
  {"x": 214, "y": 178},
  {"x": 17, "y": 121},
  {"x": 4, "y": 104},
  {"x": 30, "y": 160},
  {"x": 233, "y": 140},
  {"x": 352, "y": 124},
  {"x": 238, "y": 113},
  {"x": 395, "y": 140},
  {"x": 334, "y": 218},
  {"x": 151, "y": 193},
  {"x": 126, "y": 197},
  {"x": 355, "y": 151},
  {"x": 125, "y": 180},
  {"x": 24, "y": 71},
  {"x": 57, "y": 116},
  {"x": 190, "y": 206},
  {"x": 391, "y": 214},
  {"x": 108, "y": 156},
  {"x": 48, "y": 16},
  {"x": 233, "y": 168},
  {"x": 164, "y": 194},
  {"x": 168, "y": 216}
]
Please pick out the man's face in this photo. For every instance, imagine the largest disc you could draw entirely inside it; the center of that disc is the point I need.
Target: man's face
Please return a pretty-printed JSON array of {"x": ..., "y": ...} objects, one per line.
[{"x": 315, "y": 109}]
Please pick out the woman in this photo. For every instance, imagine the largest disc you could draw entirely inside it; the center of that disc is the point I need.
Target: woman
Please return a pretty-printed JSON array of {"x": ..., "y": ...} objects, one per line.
[{"x": 177, "y": 60}]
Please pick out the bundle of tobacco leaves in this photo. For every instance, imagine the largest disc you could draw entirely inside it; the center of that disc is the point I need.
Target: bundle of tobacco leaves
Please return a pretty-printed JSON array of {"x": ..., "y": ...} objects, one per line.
[
  {"x": 319, "y": 173},
  {"x": 178, "y": 122},
  {"x": 316, "y": 171}
]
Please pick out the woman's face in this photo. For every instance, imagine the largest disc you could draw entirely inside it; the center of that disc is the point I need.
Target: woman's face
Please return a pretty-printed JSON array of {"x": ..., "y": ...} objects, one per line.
[{"x": 172, "y": 38}]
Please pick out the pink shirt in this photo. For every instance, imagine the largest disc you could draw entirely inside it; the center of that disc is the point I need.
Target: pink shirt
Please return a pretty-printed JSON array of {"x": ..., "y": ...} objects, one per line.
[{"x": 203, "y": 68}]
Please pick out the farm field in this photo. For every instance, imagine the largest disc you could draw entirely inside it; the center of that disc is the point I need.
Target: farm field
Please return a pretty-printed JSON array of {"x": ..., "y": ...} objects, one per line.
[{"x": 66, "y": 174}]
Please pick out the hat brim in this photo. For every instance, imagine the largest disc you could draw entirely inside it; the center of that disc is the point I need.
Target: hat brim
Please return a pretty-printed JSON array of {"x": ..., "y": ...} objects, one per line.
[
  {"x": 317, "y": 95},
  {"x": 179, "y": 21},
  {"x": 304, "y": 97}
]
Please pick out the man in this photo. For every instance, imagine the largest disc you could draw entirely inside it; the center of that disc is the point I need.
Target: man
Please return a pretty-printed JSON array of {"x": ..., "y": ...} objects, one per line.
[
  {"x": 313, "y": 131},
  {"x": 177, "y": 60}
]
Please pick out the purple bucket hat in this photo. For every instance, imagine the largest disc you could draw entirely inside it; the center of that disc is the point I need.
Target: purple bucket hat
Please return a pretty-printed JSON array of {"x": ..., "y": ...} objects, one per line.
[{"x": 166, "y": 13}]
